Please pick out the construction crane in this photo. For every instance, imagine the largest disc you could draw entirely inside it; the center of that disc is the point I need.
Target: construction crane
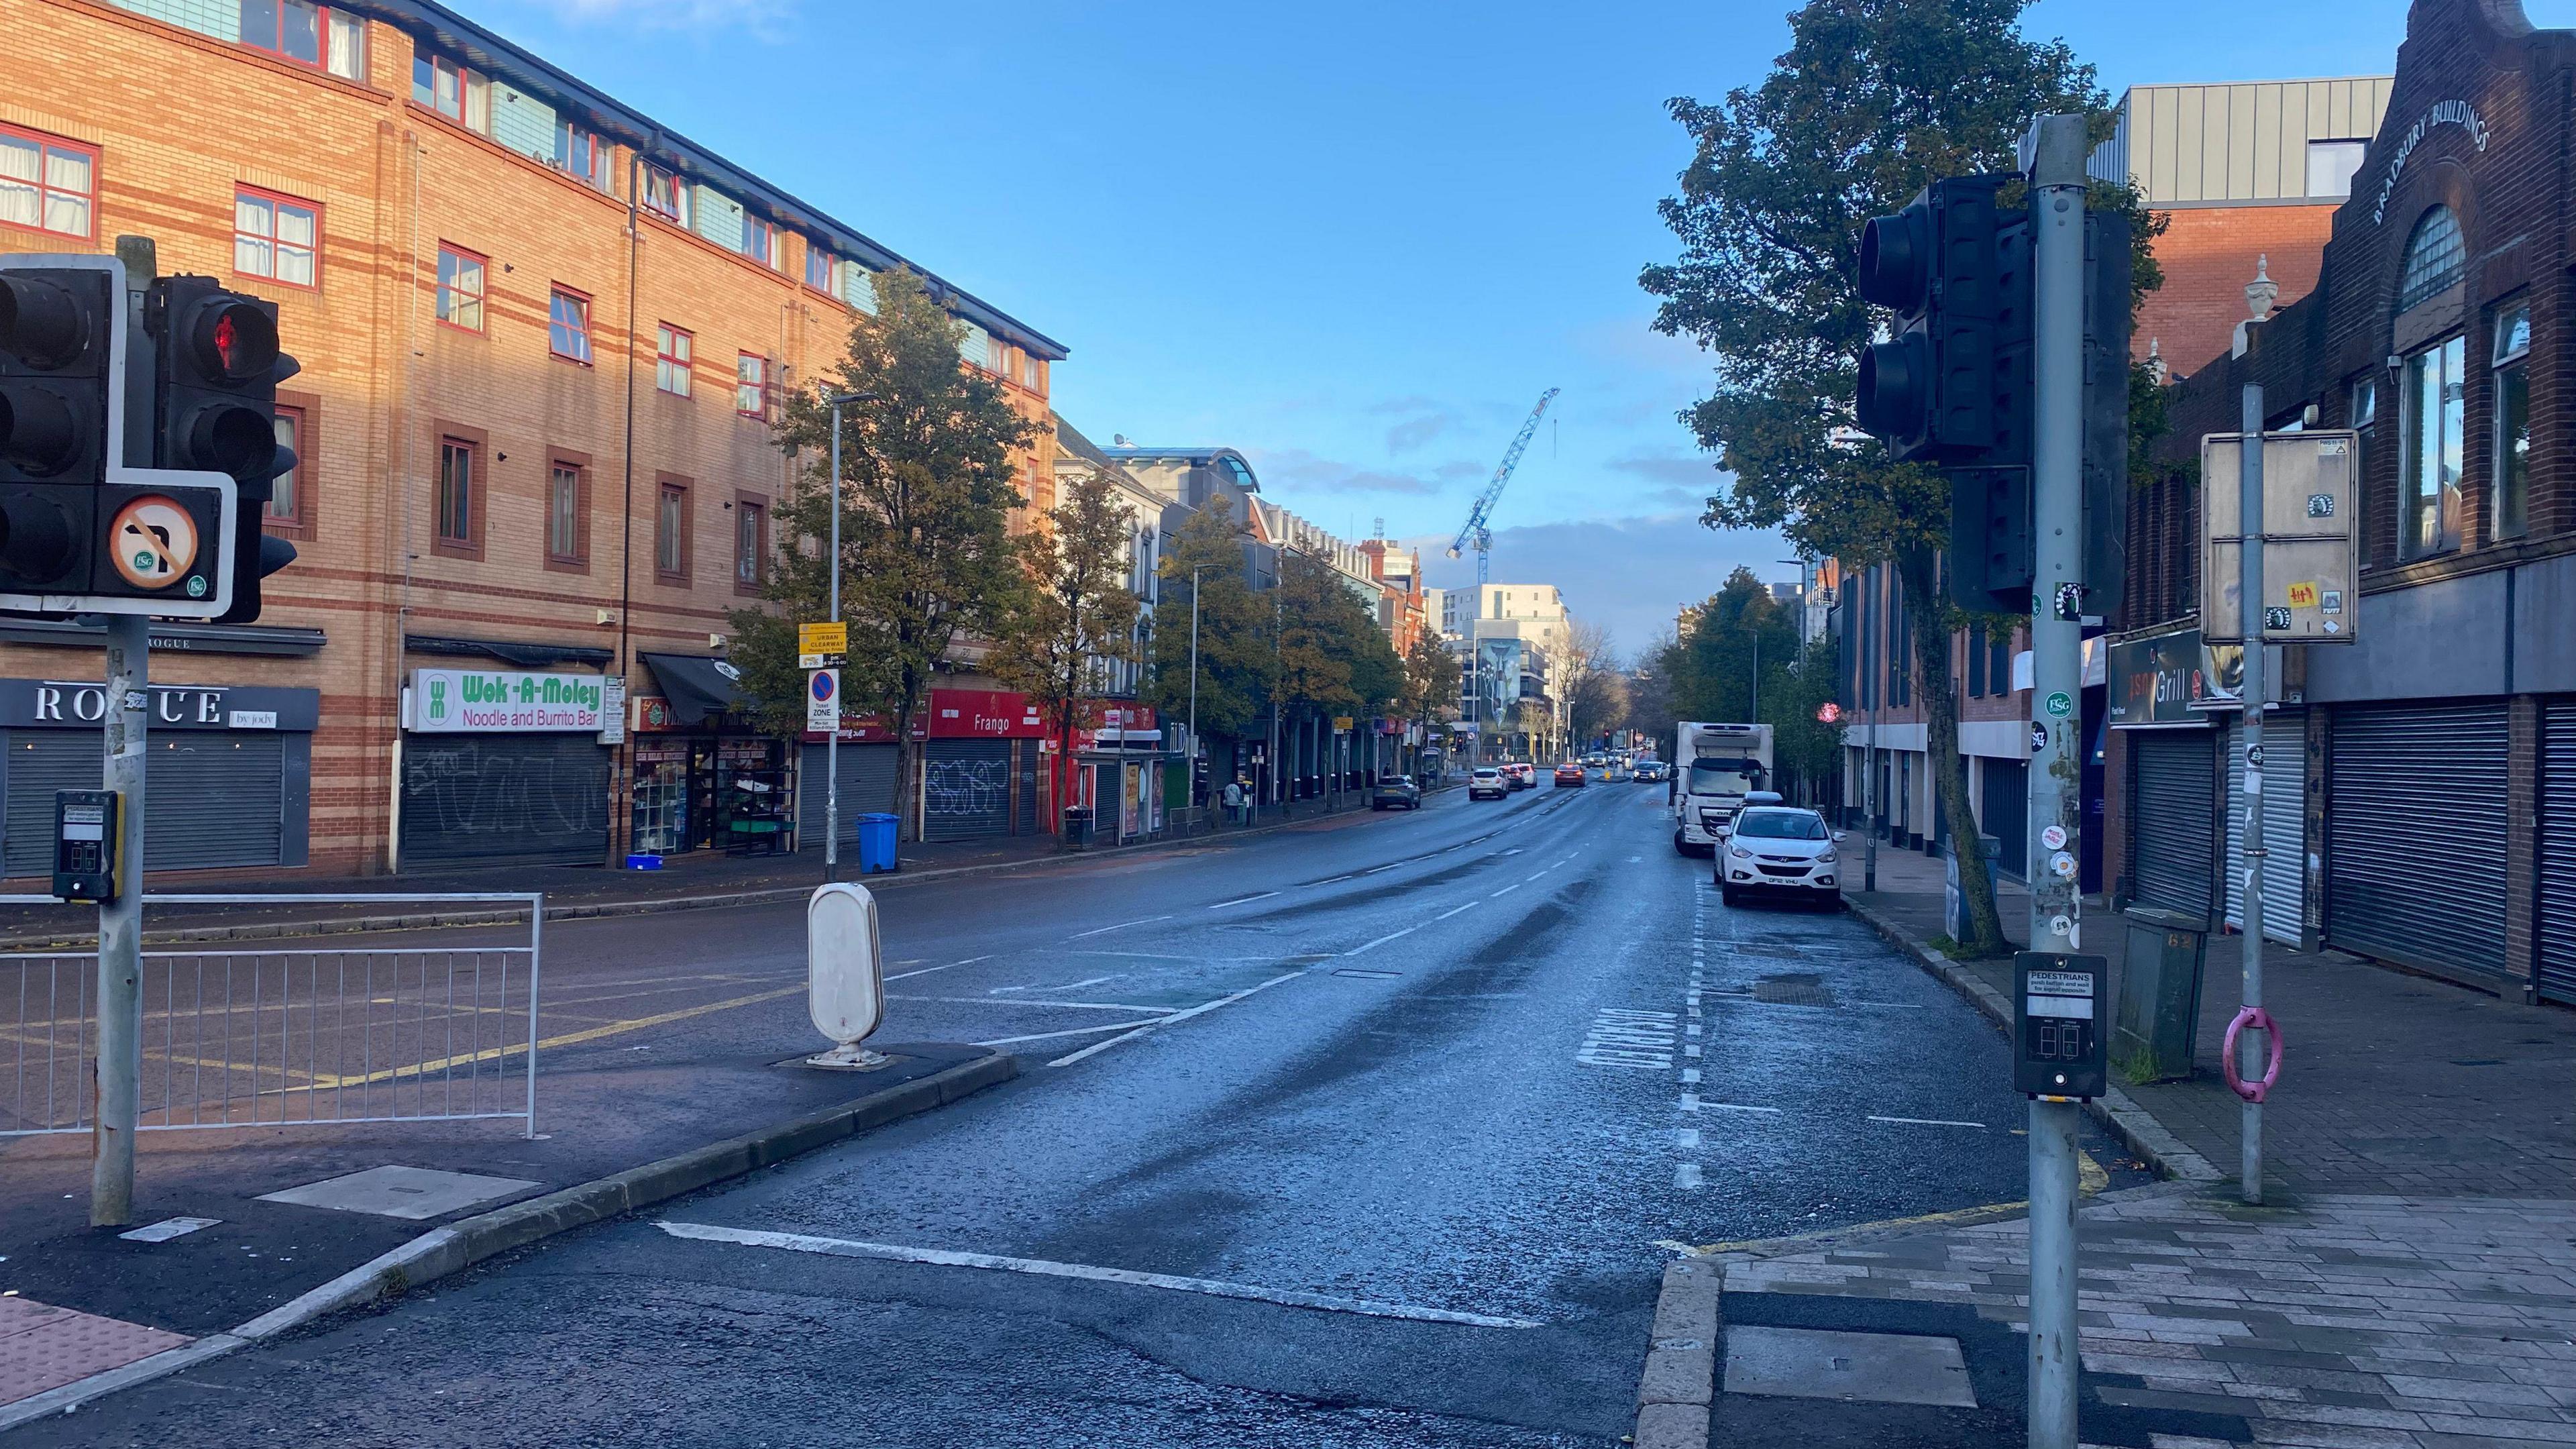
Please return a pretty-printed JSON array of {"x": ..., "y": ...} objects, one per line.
[{"x": 1478, "y": 530}]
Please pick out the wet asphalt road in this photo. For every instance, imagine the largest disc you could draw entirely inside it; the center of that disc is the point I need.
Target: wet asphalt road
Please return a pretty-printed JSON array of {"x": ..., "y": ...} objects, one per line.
[{"x": 1462, "y": 1082}]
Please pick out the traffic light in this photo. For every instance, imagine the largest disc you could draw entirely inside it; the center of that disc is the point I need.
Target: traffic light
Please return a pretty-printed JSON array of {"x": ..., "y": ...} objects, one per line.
[
  {"x": 1930, "y": 392},
  {"x": 2107, "y": 262},
  {"x": 215, "y": 410},
  {"x": 60, "y": 384}
]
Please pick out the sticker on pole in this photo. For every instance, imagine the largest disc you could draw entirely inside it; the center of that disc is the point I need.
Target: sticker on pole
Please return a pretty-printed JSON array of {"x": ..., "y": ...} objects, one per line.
[
  {"x": 2059, "y": 706},
  {"x": 2052, "y": 837},
  {"x": 823, "y": 700},
  {"x": 154, "y": 540}
]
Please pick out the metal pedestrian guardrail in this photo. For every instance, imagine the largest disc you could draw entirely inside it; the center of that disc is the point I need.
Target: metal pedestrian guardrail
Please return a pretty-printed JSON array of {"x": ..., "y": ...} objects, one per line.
[{"x": 284, "y": 1036}]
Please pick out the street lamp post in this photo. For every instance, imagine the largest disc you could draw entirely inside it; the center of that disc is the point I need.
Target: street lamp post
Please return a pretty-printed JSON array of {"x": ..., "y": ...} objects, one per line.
[
  {"x": 832, "y": 741},
  {"x": 1196, "y": 754}
]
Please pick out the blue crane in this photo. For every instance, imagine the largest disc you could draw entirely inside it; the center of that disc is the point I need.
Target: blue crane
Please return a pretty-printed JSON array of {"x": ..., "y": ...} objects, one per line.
[{"x": 1479, "y": 518}]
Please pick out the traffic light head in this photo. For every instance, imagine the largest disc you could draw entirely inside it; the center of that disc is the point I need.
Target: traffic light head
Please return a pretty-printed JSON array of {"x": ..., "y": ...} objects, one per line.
[
  {"x": 58, "y": 327},
  {"x": 215, "y": 410},
  {"x": 1928, "y": 391}
]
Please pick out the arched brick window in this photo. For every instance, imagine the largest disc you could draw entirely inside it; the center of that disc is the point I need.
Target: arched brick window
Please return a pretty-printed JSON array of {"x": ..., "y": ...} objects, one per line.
[{"x": 2434, "y": 257}]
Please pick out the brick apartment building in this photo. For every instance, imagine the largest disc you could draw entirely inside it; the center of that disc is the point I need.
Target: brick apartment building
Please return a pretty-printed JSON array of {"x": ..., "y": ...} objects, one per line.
[
  {"x": 542, "y": 338},
  {"x": 2428, "y": 817}
]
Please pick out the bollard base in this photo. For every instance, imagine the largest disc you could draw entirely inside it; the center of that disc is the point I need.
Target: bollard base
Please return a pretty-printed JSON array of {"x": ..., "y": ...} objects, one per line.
[{"x": 850, "y": 1057}]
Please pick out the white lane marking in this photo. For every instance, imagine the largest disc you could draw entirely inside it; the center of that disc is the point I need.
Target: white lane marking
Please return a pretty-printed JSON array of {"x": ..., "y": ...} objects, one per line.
[
  {"x": 1068, "y": 986},
  {"x": 1444, "y": 915},
  {"x": 1692, "y": 1102},
  {"x": 1329, "y": 880},
  {"x": 1690, "y": 1049},
  {"x": 1390, "y": 865},
  {"x": 926, "y": 970},
  {"x": 1382, "y": 940},
  {"x": 1691, "y": 1030},
  {"x": 1201, "y": 1009},
  {"x": 943, "y": 1257},
  {"x": 1122, "y": 925},
  {"x": 1542, "y": 870},
  {"x": 1686, "y": 1176},
  {"x": 1690, "y": 1076},
  {"x": 1243, "y": 900},
  {"x": 1032, "y": 1005},
  {"x": 1507, "y": 890},
  {"x": 1515, "y": 850},
  {"x": 1632, "y": 860},
  {"x": 1569, "y": 860},
  {"x": 1622, "y": 1037},
  {"x": 1928, "y": 1122},
  {"x": 1076, "y": 1031},
  {"x": 1685, "y": 1137}
]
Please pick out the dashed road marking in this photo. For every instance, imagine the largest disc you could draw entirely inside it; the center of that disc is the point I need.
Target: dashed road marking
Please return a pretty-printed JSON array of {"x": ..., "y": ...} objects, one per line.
[
  {"x": 1927, "y": 1122},
  {"x": 1201, "y": 1009},
  {"x": 1686, "y": 1176},
  {"x": 1122, "y": 925},
  {"x": 1382, "y": 940},
  {"x": 1692, "y": 1102},
  {"x": 1243, "y": 900},
  {"x": 926, "y": 970},
  {"x": 1444, "y": 915},
  {"x": 1507, "y": 890}
]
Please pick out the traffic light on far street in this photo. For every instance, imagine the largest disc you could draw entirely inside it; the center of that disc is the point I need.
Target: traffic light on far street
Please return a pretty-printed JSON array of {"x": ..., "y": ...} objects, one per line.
[
  {"x": 60, "y": 382},
  {"x": 215, "y": 410}
]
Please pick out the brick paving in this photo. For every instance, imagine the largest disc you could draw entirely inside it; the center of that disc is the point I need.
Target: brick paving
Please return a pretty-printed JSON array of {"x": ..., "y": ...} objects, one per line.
[
  {"x": 43, "y": 1347},
  {"x": 2411, "y": 1283}
]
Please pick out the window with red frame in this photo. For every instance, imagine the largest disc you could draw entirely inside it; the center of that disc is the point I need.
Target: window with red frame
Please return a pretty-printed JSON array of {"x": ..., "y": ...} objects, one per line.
[
  {"x": 286, "y": 491},
  {"x": 750, "y": 545},
  {"x": 760, "y": 241},
  {"x": 460, "y": 288},
  {"x": 276, "y": 238},
  {"x": 310, "y": 34},
  {"x": 48, "y": 184},
  {"x": 671, "y": 352},
  {"x": 751, "y": 385},
  {"x": 568, "y": 326}
]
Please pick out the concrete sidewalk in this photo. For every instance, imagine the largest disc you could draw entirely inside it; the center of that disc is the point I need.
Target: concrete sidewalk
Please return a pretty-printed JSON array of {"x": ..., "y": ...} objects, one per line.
[{"x": 2409, "y": 1284}]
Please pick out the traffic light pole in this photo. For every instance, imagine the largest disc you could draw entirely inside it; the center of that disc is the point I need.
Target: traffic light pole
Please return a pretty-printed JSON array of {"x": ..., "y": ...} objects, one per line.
[
  {"x": 2057, "y": 154},
  {"x": 2250, "y": 526}
]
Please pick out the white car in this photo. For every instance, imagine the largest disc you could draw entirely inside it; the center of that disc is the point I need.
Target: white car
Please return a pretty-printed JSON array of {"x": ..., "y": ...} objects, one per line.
[
  {"x": 1783, "y": 852},
  {"x": 1487, "y": 784}
]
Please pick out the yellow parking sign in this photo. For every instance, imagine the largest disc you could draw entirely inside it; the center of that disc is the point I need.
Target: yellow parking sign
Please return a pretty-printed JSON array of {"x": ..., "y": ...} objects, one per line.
[{"x": 823, "y": 638}]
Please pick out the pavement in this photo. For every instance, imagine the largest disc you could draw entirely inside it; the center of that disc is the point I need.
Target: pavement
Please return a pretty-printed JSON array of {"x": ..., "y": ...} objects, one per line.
[
  {"x": 2408, "y": 1283},
  {"x": 1385, "y": 1132}
]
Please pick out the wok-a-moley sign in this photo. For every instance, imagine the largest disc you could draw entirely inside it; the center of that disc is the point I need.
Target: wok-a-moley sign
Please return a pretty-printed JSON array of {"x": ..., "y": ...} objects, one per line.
[{"x": 486, "y": 701}]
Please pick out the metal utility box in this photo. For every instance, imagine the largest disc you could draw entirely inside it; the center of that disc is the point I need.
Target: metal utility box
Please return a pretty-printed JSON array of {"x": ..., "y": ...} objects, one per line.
[
  {"x": 2311, "y": 582},
  {"x": 2155, "y": 1029},
  {"x": 2057, "y": 1025},
  {"x": 87, "y": 827}
]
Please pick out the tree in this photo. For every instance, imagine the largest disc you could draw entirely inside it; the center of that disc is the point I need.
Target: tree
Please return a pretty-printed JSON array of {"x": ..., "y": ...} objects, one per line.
[
  {"x": 1649, "y": 710},
  {"x": 927, "y": 557},
  {"x": 1594, "y": 700},
  {"x": 1430, "y": 685},
  {"x": 1080, "y": 609},
  {"x": 1713, "y": 671},
  {"x": 1873, "y": 100},
  {"x": 1235, "y": 663},
  {"x": 1333, "y": 658}
]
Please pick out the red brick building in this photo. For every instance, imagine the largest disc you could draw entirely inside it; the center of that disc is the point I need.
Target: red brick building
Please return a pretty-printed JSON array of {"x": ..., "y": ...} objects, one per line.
[{"x": 542, "y": 339}]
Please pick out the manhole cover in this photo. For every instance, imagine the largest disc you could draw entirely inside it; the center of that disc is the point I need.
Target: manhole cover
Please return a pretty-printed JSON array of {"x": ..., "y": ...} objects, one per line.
[
  {"x": 1794, "y": 990},
  {"x": 401, "y": 1192},
  {"x": 1877, "y": 1368}
]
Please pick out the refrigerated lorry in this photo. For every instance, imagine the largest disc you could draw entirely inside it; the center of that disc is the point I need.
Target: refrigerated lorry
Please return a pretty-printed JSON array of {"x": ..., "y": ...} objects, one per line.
[{"x": 1714, "y": 766}]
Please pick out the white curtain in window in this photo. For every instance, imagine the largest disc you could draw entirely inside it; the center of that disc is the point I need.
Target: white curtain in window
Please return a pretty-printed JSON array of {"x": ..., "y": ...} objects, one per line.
[
  {"x": 348, "y": 46},
  {"x": 20, "y": 165},
  {"x": 67, "y": 198},
  {"x": 296, "y": 239},
  {"x": 254, "y": 227}
]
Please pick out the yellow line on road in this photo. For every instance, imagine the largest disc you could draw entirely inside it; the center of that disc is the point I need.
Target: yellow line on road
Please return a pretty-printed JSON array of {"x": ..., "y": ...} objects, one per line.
[
  {"x": 570, "y": 1038},
  {"x": 2089, "y": 1180}
]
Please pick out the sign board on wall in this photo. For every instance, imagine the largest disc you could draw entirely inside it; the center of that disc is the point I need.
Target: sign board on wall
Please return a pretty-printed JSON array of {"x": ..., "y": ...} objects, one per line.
[
  {"x": 82, "y": 704},
  {"x": 504, "y": 701},
  {"x": 2311, "y": 583}
]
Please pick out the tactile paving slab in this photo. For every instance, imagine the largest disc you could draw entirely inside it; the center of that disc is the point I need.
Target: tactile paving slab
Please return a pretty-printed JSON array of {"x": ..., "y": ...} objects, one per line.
[{"x": 44, "y": 1347}]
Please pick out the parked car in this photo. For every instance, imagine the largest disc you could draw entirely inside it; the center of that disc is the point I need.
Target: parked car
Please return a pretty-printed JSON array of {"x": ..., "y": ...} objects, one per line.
[
  {"x": 1396, "y": 793},
  {"x": 1522, "y": 774},
  {"x": 1487, "y": 783},
  {"x": 1652, "y": 772},
  {"x": 1780, "y": 851},
  {"x": 1569, "y": 773}
]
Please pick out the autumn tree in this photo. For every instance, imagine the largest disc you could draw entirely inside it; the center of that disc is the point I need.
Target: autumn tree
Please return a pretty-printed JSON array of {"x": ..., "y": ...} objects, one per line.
[
  {"x": 1595, "y": 693},
  {"x": 1080, "y": 610},
  {"x": 1430, "y": 681},
  {"x": 927, "y": 556},
  {"x": 1203, "y": 563},
  {"x": 1873, "y": 100}
]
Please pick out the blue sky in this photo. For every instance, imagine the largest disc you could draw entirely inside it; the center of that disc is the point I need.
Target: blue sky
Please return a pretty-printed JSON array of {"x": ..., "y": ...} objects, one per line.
[{"x": 1354, "y": 241}]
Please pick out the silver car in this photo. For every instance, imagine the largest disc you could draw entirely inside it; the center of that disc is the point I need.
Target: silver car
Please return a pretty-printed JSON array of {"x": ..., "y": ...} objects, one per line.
[{"x": 1779, "y": 851}]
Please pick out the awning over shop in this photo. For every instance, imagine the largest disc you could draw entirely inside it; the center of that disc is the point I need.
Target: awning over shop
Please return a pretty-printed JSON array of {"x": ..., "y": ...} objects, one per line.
[{"x": 697, "y": 686}]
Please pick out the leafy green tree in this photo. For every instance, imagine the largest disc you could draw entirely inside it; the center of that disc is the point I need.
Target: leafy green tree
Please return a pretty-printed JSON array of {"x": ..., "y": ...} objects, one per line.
[
  {"x": 927, "y": 556},
  {"x": 1080, "y": 609},
  {"x": 1333, "y": 657},
  {"x": 1430, "y": 684},
  {"x": 1873, "y": 100},
  {"x": 1235, "y": 664}
]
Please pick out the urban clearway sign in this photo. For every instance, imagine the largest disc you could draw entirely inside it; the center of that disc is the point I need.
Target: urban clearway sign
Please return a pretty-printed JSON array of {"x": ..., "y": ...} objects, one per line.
[{"x": 503, "y": 701}]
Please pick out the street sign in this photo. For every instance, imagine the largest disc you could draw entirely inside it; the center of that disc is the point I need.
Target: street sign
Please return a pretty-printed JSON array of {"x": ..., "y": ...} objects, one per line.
[
  {"x": 1341, "y": 724},
  {"x": 832, "y": 638},
  {"x": 823, "y": 700},
  {"x": 821, "y": 661},
  {"x": 2311, "y": 587},
  {"x": 1828, "y": 712}
]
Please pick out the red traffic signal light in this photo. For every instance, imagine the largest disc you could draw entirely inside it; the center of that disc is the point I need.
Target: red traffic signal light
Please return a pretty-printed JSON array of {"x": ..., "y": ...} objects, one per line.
[{"x": 234, "y": 337}]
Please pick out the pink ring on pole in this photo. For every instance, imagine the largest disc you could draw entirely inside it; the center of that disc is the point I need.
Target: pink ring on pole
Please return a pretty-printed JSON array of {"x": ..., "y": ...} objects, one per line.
[{"x": 2257, "y": 1017}]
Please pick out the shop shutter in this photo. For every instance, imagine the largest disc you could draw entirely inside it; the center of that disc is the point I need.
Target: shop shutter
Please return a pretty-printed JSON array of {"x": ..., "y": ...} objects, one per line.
[
  {"x": 211, "y": 798},
  {"x": 2171, "y": 777},
  {"x": 2003, "y": 804},
  {"x": 2285, "y": 825},
  {"x": 1031, "y": 789},
  {"x": 867, "y": 788},
  {"x": 966, "y": 793},
  {"x": 2415, "y": 859},
  {"x": 2557, "y": 921},
  {"x": 468, "y": 801}
]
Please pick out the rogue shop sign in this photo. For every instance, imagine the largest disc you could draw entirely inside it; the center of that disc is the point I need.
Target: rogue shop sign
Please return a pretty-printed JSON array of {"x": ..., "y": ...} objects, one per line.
[
  {"x": 502, "y": 701},
  {"x": 75, "y": 704}
]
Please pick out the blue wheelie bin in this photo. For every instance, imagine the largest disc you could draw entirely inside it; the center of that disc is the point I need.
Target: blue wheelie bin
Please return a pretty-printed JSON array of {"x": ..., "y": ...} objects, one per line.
[{"x": 876, "y": 843}]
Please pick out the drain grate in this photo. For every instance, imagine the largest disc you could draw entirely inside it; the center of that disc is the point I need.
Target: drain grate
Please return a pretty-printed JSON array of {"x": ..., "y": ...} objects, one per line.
[{"x": 1801, "y": 989}]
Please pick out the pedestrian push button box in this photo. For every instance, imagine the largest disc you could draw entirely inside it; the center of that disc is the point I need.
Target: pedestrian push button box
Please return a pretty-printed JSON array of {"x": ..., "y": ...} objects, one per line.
[
  {"x": 86, "y": 827},
  {"x": 2058, "y": 1046}
]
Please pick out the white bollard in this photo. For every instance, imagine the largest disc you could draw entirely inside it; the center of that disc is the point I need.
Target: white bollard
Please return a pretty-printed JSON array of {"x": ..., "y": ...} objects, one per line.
[{"x": 844, "y": 975}]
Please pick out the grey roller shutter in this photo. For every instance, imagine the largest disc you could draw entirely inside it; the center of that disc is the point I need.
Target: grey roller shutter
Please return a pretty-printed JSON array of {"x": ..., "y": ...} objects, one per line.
[
  {"x": 1025, "y": 772},
  {"x": 211, "y": 798},
  {"x": 966, "y": 793},
  {"x": 2415, "y": 859},
  {"x": 867, "y": 788},
  {"x": 2557, "y": 923},
  {"x": 2171, "y": 852},
  {"x": 2285, "y": 825},
  {"x": 503, "y": 800}
]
